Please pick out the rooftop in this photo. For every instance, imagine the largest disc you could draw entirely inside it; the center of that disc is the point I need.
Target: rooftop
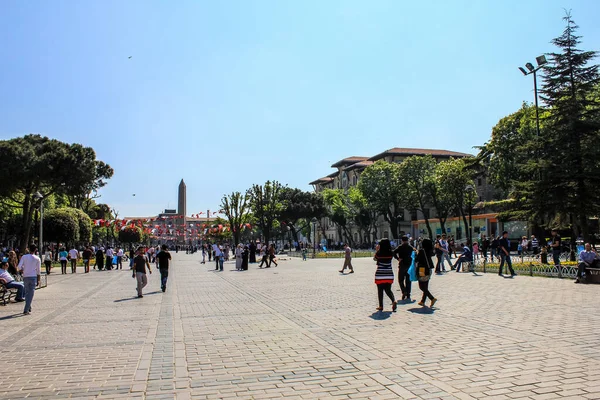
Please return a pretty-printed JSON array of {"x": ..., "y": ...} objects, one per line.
[
  {"x": 359, "y": 165},
  {"x": 401, "y": 151},
  {"x": 327, "y": 179},
  {"x": 348, "y": 161}
]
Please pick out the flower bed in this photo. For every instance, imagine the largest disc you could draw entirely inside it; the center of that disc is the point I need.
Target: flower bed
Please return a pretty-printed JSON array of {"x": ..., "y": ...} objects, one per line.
[{"x": 568, "y": 269}]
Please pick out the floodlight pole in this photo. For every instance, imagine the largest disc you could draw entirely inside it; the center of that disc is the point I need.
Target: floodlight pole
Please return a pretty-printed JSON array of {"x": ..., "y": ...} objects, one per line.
[
  {"x": 541, "y": 61},
  {"x": 537, "y": 109}
]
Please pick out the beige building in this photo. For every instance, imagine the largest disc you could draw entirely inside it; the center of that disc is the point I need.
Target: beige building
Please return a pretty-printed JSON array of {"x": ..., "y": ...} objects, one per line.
[{"x": 347, "y": 174}]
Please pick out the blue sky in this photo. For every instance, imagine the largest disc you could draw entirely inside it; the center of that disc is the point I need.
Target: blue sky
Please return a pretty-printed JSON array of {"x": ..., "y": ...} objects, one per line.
[{"x": 227, "y": 94}]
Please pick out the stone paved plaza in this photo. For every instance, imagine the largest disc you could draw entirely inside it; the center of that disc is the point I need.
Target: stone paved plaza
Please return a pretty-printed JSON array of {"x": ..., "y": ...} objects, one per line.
[{"x": 300, "y": 331}]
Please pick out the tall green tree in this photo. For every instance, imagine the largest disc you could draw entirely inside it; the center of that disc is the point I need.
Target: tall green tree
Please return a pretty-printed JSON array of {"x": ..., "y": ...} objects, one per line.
[
  {"x": 236, "y": 208},
  {"x": 340, "y": 212},
  {"x": 380, "y": 184},
  {"x": 266, "y": 206},
  {"x": 573, "y": 153},
  {"x": 441, "y": 191},
  {"x": 461, "y": 187},
  {"x": 363, "y": 214},
  {"x": 299, "y": 208},
  {"x": 512, "y": 155},
  {"x": 33, "y": 163},
  {"x": 417, "y": 173}
]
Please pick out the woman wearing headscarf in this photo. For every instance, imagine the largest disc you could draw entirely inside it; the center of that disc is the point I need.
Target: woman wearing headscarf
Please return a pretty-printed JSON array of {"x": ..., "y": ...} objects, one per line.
[
  {"x": 238, "y": 257},
  {"x": 384, "y": 275},
  {"x": 245, "y": 254}
]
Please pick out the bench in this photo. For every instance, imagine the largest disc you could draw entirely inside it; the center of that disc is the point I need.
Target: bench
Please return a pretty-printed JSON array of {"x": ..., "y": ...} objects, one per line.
[
  {"x": 592, "y": 275},
  {"x": 6, "y": 294}
]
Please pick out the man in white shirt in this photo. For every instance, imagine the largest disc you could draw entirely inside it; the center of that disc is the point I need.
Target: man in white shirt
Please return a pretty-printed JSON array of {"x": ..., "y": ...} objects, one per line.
[
  {"x": 10, "y": 282},
  {"x": 119, "y": 258},
  {"x": 73, "y": 256},
  {"x": 31, "y": 268}
]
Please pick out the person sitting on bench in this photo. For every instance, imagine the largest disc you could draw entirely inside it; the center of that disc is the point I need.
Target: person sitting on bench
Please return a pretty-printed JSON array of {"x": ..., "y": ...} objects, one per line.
[
  {"x": 588, "y": 258},
  {"x": 10, "y": 282},
  {"x": 466, "y": 257}
]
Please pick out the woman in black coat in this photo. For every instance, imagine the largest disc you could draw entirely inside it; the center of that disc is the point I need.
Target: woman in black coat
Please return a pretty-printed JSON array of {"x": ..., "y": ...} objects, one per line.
[
  {"x": 245, "y": 254},
  {"x": 424, "y": 267}
]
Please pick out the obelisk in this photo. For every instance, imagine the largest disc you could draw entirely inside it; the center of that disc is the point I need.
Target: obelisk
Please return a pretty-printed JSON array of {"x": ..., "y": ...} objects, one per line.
[
  {"x": 182, "y": 209},
  {"x": 181, "y": 200}
]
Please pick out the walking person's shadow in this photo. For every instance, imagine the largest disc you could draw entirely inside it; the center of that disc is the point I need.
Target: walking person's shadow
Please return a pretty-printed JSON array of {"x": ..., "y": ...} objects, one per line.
[
  {"x": 421, "y": 310},
  {"x": 380, "y": 315}
]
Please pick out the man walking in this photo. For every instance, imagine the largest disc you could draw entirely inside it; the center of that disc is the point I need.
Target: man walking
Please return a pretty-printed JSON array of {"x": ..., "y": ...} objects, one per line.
[
  {"x": 347, "y": 259},
  {"x": 87, "y": 256},
  {"x": 403, "y": 254},
  {"x": 447, "y": 252},
  {"x": 31, "y": 268},
  {"x": 120, "y": 254},
  {"x": 163, "y": 258},
  {"x": 535, "y": 245},
  {"x": 139, "y": 272},
  {"x": 504, "y": 250},
  {"x": 556, "y": 250},
  {"x": 73, "y": 256}
]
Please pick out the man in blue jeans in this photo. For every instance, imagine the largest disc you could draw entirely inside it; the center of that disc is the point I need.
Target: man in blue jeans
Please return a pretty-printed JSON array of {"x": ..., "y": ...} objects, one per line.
[
  {"x": 31, "y": 268},
  {"x": 504, "y": 250}
]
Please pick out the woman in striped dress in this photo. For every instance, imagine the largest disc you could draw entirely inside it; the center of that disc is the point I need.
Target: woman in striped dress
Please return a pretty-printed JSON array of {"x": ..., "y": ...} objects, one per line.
[{"x": 384, "y": 276}]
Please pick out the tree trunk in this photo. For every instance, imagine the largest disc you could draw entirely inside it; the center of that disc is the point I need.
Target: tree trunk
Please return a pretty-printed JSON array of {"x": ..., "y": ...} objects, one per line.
[
  {"x": 428, "y": 225},
  {"x": 443, "y": 224},
  {"x": 26, "y": 223},
  {"x": 394, "y": 227},
  {"x": 464, "y": 217},
  {"x": 236, "y": 236}
]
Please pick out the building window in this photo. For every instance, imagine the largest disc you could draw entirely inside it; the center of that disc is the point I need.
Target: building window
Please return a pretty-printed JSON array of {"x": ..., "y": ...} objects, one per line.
[
  {"x": 479, "y": 182},
  {"x": 354, "y": 180}
]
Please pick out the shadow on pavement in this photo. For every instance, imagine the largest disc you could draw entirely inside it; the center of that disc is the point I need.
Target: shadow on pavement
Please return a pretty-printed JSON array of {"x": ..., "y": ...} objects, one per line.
[
  {"x": 127, "y": 299},
  {"x": 422, "y": 310},
  {"x": 12, "y": 316},
  {"x": 380, "y": 315},
  {"x": 405, "y": 301}
]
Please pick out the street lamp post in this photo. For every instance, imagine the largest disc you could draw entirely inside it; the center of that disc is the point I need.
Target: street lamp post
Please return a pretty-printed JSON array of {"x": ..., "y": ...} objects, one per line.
[
  {"x": 531, "y": 70},
  {"x": 314, "y": 222},
  {"x": 38, "y": 195}
]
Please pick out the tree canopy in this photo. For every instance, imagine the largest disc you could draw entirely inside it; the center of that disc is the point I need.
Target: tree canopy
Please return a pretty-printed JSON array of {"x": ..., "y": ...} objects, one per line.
[
  {"x": 236, "y": 208},
  {"x": 35, "y": 164},
  {"x": 380, "y": 184}
]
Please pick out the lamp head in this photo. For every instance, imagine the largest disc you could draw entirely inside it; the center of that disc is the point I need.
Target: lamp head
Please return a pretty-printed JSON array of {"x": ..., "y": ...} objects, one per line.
[
  {"x": 523, "y": 70},
  {"x": 530, "y": 67},
  {"x": 541, "y": 60}
]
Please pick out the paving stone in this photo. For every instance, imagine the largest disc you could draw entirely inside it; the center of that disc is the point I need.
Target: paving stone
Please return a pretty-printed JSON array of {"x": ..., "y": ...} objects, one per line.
[{"x": 300, "y": 331}]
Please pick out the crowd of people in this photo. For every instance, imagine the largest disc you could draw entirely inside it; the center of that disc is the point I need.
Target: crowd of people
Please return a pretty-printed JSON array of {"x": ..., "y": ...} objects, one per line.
[{"x": 414, "y": 258}]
